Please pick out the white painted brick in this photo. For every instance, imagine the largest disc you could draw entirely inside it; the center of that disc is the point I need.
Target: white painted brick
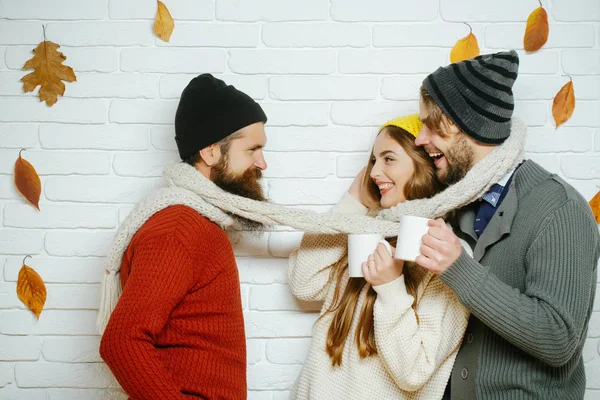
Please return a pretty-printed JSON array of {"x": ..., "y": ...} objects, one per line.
[
  {"x": 59, "y": 297},
  {"x": 162, "y": 137},
  {"x": 58, "y": 216},
  {"x": 87, "y": 394},
  {"x": 82, "y": 375},
  {"x": 171, "y": 86},
  {"x": 89, "y": 111},
  {"x": 278, "y": 298},
  {"x": 510, "y": 36},
  {"x": 474, "y": 10},
  {"x": 386, "y": 61},
  {"x": 287, "y": 351},
  {"x": 99, "y": 189},
  {"x": 12, "y": 392},
  {"x": 541, "y": 62},
  {"x": 11, "y": 85},
  {"x": 18, "y": 136},
  {"x": 171, "y": 60},
  {"x": 244, "y": 291},
  {"x": 585, "y": 114},
  {"x": 78, "y": 244},
  {"x": 402, "y": 87},
  {"x": 283, "y": 395},
  {"x": 96, "y": 137},
  {"x": 20, "y": 348},
  {"x": 591, "y": 394},
  {"x": 533, "y": 113},
  {"x": 292, "y": 192},
  {"x": 124, "y": 213},
  {"x": 296, "y": 114},
  {"x": 58, "y": 162},
  {"x": 179, "y": 10},
  {"x": 100, "y": 34},
  {"x": 347, "y": 166},
  {"x": 2, "y": 58},
  {"x": 9, "y": 298},
  {"x": 581, "y": 166},
  {"x": 590, "y": 351},
  {"x": 597, "y": 140},
  {"x": 326, "y": 34},
  {"x": 384, "y": 10},
  {"x": 262, "y": 271},
  {"x": 213, "y": 35},
  {"x": 281, "y": 244},
  {"x": 586, "y": 87},
  {"x": 143, "y": 111},
  {"x": 338, "y": 139},
  {"x": 259, "y": 395},
  {"x": 323, "y": 88},
  {"x": 255, "y": 350},
  {"x": 59, "y": 270},
  {"x": 6, "y": 374},
  {"x": 143, "y": 165},
  {"x": 278, "y": 324},
  {"x": 72, "y": 350},
  {"x": 59, "y": 9},
  {"x": 422, "y": 35},
  {"x": 19, "y": 241},
  {"x": 248, "y": 243},
  {"x": 81, "y": 59},
  {"x": 538, "y": 87},
  {"x": 282, "y": 61},
  {"x": 576, "y": 10},
  {"x": 271, "y": 10},
  {"x": 51, "y": 322},
  {"x": 272, "y": 376},
  {"x": 298, "y": 165},
  {"x": 124, "y": 86},
  {"x": 551, "y": 140},
  {"x": 592, "y": 372},
  {"x": 581, "y": 62},
  {"x": 370, "y": 113},
  {"x": 548, "y": 161},
  {"x": 8, "y": 189},
  {"x": 20, "y": 32}
]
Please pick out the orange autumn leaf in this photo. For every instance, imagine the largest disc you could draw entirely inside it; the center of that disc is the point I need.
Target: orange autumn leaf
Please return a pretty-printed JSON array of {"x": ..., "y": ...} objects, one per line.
[
  {"x": 536, "y": 32},
  {"x": 164, "y": 24},
  {"x": 49, "y": 72},
  {"x": 27, "y": 181},
  {"x": 31, "y": 289},
  {"x": 465, "y": 48},
  {"x": 595, "y": 204},
  {"x": 564, "y": 104}
]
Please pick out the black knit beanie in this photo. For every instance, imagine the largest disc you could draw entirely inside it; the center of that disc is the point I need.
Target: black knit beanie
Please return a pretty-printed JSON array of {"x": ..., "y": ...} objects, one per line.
[
  {"x": 477, "y": 95},
  {"x": 210, "y": 110}
]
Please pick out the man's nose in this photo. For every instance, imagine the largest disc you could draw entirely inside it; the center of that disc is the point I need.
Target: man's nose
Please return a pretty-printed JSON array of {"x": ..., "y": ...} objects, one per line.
[{"x": 260, "y": 163}]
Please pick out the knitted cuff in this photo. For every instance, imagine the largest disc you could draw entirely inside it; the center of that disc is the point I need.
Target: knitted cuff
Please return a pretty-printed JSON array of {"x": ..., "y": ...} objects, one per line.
[
  {"x": 464, "y": 276},
  {"x": 393, "y": 294}
]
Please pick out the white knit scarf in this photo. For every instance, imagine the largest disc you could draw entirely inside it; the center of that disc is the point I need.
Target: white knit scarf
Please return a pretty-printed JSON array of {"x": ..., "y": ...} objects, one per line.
[{"x": 186, "y": 186}]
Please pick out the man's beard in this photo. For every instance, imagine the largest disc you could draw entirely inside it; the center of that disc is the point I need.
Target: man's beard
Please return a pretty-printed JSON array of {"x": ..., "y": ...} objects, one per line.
[
  {"x": 245, "y": 185},
  {"x": 459, "y": 159}
]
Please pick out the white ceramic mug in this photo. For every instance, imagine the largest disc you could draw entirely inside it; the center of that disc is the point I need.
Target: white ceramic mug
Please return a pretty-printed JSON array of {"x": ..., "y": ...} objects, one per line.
[
  {"x": 360, "y": 247},
  {"x": 410, "y": 233}
]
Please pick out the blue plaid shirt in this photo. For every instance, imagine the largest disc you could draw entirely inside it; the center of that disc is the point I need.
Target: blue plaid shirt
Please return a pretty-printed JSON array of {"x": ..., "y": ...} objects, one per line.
[{"x": 489, "y": 204}]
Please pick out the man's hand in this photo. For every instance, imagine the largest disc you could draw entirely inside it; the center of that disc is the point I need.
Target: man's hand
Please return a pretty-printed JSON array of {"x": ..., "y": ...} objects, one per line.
[
  {"x": 382, "y": 267},
  {"x": 440, "y": 248}
]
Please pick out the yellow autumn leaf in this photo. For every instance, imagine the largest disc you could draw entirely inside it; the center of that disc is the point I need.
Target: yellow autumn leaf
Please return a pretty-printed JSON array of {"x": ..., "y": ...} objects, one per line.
[
  {"x": 537, "y": 30},
  {"x": 595, "y": 204},
  {"x": 28, "y": 181},
  {"x": 465, "y": 48},
  {"x": 164, "y": 24},
  {"x": 564, "y": 103},
  {"x": 31, "y": 289},
  {"x": 49, "y": 72}
]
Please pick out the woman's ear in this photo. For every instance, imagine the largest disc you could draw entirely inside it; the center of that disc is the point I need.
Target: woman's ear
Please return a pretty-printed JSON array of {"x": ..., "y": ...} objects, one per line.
[{"x": 211, "y": 154}]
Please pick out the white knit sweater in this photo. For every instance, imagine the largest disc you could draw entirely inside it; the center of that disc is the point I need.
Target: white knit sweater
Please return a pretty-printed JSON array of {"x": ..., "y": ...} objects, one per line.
[{"x": 417, "y": 339}]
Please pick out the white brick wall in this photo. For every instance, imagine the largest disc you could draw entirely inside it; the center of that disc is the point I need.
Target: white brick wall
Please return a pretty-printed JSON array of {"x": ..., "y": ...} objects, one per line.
[{"x": 328, "y": 73}]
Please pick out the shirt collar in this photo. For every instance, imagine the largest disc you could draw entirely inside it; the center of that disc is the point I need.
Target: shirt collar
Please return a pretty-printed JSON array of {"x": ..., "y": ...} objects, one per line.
[{"x": 493, "y": 195}]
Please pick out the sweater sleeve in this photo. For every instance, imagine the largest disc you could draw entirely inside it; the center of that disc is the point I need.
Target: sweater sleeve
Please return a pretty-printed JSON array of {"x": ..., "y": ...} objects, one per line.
[
  {"x": 161, "y": 275},
  {"x": 548, "y": 318},
  {"x": 414, "y": 342},
  {"x": 308, "y": 270}
]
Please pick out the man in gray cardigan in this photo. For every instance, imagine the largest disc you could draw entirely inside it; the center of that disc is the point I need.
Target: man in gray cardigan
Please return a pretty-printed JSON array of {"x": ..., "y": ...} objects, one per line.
[{"x": 531, "y": 281}]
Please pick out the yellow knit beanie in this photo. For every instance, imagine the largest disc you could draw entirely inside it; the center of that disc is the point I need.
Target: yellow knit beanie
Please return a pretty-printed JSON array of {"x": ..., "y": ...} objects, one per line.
[{"x": 410, "y": 123}]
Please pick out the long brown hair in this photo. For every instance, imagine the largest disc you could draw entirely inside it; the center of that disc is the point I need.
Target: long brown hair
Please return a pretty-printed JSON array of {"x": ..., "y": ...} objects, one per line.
[{"x": 423, "y": 184}]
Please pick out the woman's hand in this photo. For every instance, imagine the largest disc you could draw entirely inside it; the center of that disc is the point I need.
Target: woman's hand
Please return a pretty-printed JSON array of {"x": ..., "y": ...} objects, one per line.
[
  {"x": 382, "y": 267},
  {"x": 356, "y": 187}
]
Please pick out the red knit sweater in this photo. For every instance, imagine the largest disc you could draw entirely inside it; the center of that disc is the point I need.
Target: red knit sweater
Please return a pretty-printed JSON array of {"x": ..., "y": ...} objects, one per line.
[{"x": 178, "y": 330}]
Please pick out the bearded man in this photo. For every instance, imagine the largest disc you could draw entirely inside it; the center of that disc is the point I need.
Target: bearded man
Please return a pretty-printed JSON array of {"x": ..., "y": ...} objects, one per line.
[{"x": 177, "y": 330}]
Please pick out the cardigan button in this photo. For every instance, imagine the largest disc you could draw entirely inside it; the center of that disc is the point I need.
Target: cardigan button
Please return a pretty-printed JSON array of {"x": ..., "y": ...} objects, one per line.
[
  {"x": 470, "y": 338},
  {"x": 464, "y": 373}
]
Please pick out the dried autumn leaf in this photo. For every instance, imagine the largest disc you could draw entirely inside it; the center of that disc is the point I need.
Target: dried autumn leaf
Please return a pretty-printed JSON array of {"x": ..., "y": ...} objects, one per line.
[
  {"x": 27, "y": 181},
  {"x": 595, "y": 204},
  {"x": 164, "y": 24},
  {"x": 564, "y": 104},
  {"x": 31, "y": 289},
  {"x": 536, "y": 32},
  {"x": 465, "y": 48},
  {"x": 49, "y": 72}
]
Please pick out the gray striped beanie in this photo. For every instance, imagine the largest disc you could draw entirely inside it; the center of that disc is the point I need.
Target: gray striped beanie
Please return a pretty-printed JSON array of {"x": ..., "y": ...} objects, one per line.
[{"x": 476, "y": 94}]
